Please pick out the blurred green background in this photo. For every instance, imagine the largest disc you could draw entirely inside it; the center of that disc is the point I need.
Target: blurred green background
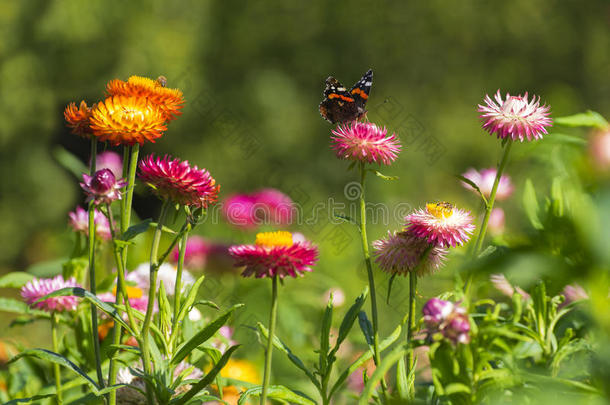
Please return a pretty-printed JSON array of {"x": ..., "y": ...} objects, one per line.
[{"x": 253, "y": 74}]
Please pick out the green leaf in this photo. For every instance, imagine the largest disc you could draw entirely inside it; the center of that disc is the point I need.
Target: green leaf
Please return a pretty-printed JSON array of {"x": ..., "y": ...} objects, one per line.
[
  {"x": 29, "y": 400},
  {"x": 350, "y": 318},
  {"x": 325, "y": 336},
  {"x": 278, "y": 392},
  {"x": 383, "y": 176},
  {"x": 16, "y": 279},
  {"x": 345, "y": 218},
  {"x": 366, "y": 327},
  {"x": 70, "y": 162},
  {"x": 277, "y": 343},
  {"x": 82, "y": 293},
  {"x": 390, "y": 284},
  {"x": 388, "y": 361},
  {"x": 20, "y": 307},
  {"x": 52, "y": 357},
  {"x": 135, "y": 230},
  {"x": 530, "y": 203},
  {"x": 190, "y": 299},
  {"x": 565, "y": 139},
  {"x": 402, "y": 383},
  {"x": 203, "y": 335},
  {"x": 457, "y": 388},
  {"x": 205, "y": 381},
  {"x": 163, "y": 228},
  {"x": 165, "y": 312},
  {"x": 206, "y": 303},
  {"x": 474, "y": 186},
  {"x": 587, "y": 119}
]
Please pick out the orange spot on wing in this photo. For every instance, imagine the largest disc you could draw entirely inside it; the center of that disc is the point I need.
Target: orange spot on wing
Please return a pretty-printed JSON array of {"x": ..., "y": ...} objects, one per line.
[
  {"x": 339, "y": 96},
  {"x": 361, "y": 93}
]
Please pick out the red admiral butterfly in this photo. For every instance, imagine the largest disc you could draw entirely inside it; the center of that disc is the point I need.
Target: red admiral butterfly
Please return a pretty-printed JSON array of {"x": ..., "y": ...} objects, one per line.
[{"x": 340, "y": 105}]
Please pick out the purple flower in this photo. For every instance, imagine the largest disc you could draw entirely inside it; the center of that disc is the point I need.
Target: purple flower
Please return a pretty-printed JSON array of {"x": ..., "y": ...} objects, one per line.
[
  {"x": 110, "y": 160},
  {"x": 448, "y": 319},
  {"x": 102, "y": 187},
  {"x": 39, "y": 287}
]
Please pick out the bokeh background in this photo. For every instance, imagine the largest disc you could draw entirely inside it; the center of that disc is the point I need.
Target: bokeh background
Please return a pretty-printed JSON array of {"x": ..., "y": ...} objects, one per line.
[{"x": 253, "y": 74}]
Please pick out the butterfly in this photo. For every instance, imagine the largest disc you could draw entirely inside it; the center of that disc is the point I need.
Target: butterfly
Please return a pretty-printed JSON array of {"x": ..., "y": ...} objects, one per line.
[{"x": 340, "y": 105}]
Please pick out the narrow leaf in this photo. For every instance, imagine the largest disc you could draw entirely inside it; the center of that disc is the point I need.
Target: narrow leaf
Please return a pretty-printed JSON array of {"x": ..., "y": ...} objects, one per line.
[
  {"x": 190, "y": 299},
  {"x": 325, "y": 336},
  {"x": 136, "y": 229},
  {"x": 586, "y": 119},
  {"x": 530, "y": 203},
  {"x": 278, "y": 392},
  {"x": 29, "y": 400},
  {"x": 350, "y": 318},
  {"x": 16, "y": 279},
  {"x": 388, "y": 361},
  {"x": 366, "y": 327},
  {"x": 383, "y": 176},
  {"x": 473, "y": 185}
]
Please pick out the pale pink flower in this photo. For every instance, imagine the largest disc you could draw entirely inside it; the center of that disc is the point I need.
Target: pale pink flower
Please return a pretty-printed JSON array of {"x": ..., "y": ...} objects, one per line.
[
  {"x": 79, "y": 222},
  {"x": 515, "y": 117},
  {"x": 402, "y": 252},
  {"x": 166, "y": 275},
  {"x": 40, "y": 287},
  {"x": 441, "y": 224},
  {"x": 501, "y": 284},
  {"x": 496, "y": 221},
  {"x": 110, "y": 160},
  {"x": 365, "y": 142},
  {"x": 485, "y": 180},
  {"x": 599, "y": 149}
]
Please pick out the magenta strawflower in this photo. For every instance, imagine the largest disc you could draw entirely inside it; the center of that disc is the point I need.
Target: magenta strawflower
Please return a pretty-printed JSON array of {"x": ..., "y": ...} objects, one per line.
[
  {"x": 515, "y": 117},
  {"x": 485, "y": 180},
  {"x": 110, "y": 160},
  {"x": 275, "y": 254},
  {"x": 176, "y": 180},
  {"x": 267, "y": 206},
  {"x": 196, "y": 252},
  {"x": 441, "y": 224},
  {"x": 401, "y": 253},
  {"x": 448, "y": 319},
  {"x": 39, "y": 287},
  {"x": 277, "y": 206},
  {"x": 102, "y": 187},
  {"x": 365, "y": 142},
  {"x": 79, "y": 221}
]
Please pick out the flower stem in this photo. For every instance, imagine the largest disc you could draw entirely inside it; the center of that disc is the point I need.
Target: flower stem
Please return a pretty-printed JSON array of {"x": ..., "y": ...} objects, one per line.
[
  {"x": 269, "y": 352},
  {"x": 178, "y": 284},
  {"x": 490, "y": 202},
  {"x": 130, "y": 153},
  {"x": 92, "y": 282},
  {"x": 369, "y": 269},
  {"x": 152, "y": 289},
  {"x": 56, "y": 370},
  {"x": 411, "y": 329}
]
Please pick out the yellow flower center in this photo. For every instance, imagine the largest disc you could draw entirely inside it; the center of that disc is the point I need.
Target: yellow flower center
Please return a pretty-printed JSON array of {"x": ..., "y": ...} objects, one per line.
[
  {"x": 132, "y": 292},
  {"x": 273, "y": 239},
  {"x": 441, "y": 210}
]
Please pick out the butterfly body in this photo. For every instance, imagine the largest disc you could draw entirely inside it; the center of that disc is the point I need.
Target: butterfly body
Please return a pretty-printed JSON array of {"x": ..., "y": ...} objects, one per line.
[{"x": 342, "y": 105}]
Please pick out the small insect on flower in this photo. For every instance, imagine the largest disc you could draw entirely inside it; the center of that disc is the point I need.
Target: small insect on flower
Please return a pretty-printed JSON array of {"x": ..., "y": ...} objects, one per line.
[
  {"x": 441, "y": 224},
  {"x": 275, "y": 254},
  {"x": 515, "y": 117},
  {"x": 40, "y": 287}
]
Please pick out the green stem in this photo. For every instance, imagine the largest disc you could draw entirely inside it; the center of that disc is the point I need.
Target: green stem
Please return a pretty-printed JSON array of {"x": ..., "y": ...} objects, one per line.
[
  {"x": 92, "y": 281},
  {"x": 269, "y": 352},
  {"x": 369, "y": 269},
  {"x": 411, "y": 329},
  {"x": 152, "y": 289},
  {"x": 490, "y": 202},
  {"x": 178, "y": 285},
  {"x": 130, "y": 153},
  {"x": 56, "y": 369}
]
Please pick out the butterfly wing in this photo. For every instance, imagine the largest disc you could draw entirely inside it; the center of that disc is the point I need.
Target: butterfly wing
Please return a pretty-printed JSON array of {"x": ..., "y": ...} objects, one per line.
[
  {"x": 362, "y": 88},
  {"x": 338, "y": 104}
]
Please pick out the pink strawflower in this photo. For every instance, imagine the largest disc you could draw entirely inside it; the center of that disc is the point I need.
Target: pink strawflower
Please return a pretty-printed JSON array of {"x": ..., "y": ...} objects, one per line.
[
  {"x": 275, "y": 254},
  {"x": 166, "y": 275},
  {"x": 267, "y": 206},
  {"x": 365, "y": 142},
  {"x": 102, "y": 187},
  {"x": 401, "y": 253},
  {"x": 496, "y": 221},
  {"x": 441, "y": 224},
  {"x": 177, "y": 181},
  {"x": 574, "y": 292},
  {"x": 195, "y": 253},
  {"x": 138, "y": 303},
  {"x": 599, "y": 149},
  {"x": 39, "y": 287},
  {"x": 79, "y": 221},
  {"x": 515, "y": 117},
  {"x": 485, "y": 180},
  {"x": 448, "y": 319},
  {"x": 110, "y": 160}
]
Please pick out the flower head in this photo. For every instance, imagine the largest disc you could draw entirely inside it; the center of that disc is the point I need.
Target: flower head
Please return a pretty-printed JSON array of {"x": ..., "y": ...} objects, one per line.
[
  {"x": 265, "y": 206},
  {"x": 448, "y": 319},
  {"x": 166, "y": 275},
  {"x": 401, "y": 253},
  {"x": 485, "y": 180},
  {"x": 574, "y": 292},
  {"x": 123, "y": 120},
  {"x": 275, "y": 254},
  {"x": 102, "y": 187},
  {"x": 77, "y": 118},
  {"x": 195, "y": 252},
  {"x": 177, "y": 181},
  {"x": 441, "y": 224},
  {"x": 39, "y": 287},
  {"x": 110, "y": 160},
  {"x": 79, "y": 221},
  {"x": 515, "y": 117},
  {"x": 169, "y": 101},
  {"x": 365, "y": 142}
]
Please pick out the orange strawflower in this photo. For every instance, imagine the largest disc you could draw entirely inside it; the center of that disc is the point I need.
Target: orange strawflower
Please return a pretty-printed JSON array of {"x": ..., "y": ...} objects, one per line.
[
  {"x": 77, "y": 118},
  {"x": 125, "y": 120},
  {"x": 169, "y": 101}
]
